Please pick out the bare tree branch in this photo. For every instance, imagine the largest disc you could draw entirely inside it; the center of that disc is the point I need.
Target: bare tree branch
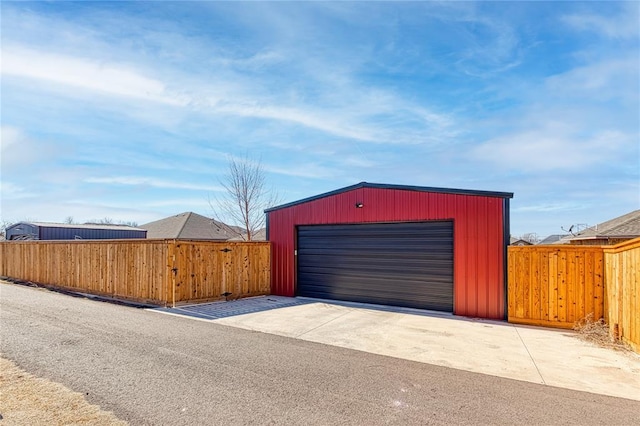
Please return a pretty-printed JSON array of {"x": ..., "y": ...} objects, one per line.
[
  {"x": 531, "y": 237},
  {"x": 245, "y": 198},
  {"x": 4, "y": 224}
]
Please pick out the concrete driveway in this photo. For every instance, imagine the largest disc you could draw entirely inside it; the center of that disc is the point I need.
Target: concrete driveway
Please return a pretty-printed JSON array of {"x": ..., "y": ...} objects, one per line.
[{"x": 533, "y": 354}]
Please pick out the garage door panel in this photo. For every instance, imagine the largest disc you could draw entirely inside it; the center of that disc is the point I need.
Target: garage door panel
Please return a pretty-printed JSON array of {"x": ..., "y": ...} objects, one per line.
[
  {"x": 381, "y": 288},
  {"x": 416, "y": 256},
  {"x": 403, "y": 264},
  {"x": 354, "y": 287},
  {"x": 376, "y": 264},
  {"x": 383, "y": 298},
  {"x": 381, "y": 244},
  {"x": 413, "y": 252},
  {"x": 379, "y": 252},
  {"x": 384, "y": 282},
  {"x": 395, "y": 274}
]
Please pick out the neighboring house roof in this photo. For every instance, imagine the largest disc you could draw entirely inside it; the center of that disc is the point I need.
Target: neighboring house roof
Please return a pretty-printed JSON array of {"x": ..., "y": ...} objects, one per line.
[
  {"x": 519, "y": 242},
  {"x": 625, "y": 226},
  {"x": 259, "y": 235},
  {"x": 555, "y": 238},
  {"x": 190, "y": 226}
]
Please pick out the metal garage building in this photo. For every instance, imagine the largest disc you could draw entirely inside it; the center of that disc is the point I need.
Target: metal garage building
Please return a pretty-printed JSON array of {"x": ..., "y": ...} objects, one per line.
[
  {"x": 63, "y": 231},
  {"x": 429, "y": 248}
]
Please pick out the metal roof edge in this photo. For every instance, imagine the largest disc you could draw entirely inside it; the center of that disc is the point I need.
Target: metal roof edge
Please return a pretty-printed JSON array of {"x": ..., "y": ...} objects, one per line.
[
  {"x": 477, "y": 192},
  {"x": 100, "y": 226},
  {"x": 317, "y": 197},
  {"x": 602, "y": 237},
  {"x": 392, "y": 186}
]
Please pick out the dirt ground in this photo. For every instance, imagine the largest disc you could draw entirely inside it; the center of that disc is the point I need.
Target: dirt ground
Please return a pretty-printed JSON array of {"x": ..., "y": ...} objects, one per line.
[{"x": 29, "y": 400}]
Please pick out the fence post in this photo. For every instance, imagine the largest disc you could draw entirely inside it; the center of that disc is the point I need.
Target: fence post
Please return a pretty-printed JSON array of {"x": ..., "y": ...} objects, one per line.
[{"x": 170, "y": 273}]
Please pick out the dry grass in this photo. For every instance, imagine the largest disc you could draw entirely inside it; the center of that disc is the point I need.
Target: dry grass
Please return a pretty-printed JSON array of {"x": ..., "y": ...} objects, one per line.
[
  {"x": 29, "y": 400},
  {"x": 597, "y": 332}
]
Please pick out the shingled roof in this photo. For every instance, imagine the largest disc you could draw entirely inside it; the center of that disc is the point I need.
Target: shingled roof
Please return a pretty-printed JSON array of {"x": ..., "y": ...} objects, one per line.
[
  {"x": 556, "y": 239},
  {"x": 625, "y": 226},
  {"x": 190, "y": 226}
]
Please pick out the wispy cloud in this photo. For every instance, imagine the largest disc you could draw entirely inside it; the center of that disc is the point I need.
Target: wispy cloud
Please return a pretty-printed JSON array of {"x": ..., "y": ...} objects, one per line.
[
  {"x": 11, "y": 136},
  {"x": 546, "y": 208},
  {"x": 599, "y": 81},
  {"x": 573, "y": 120},
  {"x": 202, "y": 204},
  {"x": 361, "y": 117},
  {"x": 20, "y": 150},
  {"x": 308, "y": 170},
  {"x": 152, "y": 182},
  {"x": 106, "y": 78},
  {"x": 554, "y": 148},
  {"x": 621, "y": 20},
  {"x": 11, "y": 191}
]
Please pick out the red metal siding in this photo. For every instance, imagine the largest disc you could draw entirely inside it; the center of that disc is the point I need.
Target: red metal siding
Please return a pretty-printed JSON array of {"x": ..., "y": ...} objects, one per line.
[{"x": 478, "y": 237}]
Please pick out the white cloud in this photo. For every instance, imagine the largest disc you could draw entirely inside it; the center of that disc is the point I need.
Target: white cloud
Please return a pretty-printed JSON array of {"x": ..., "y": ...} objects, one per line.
[
  {"x": 364, "y": 115},
  {"x": 149, "y": 181},
  {"x": 599, "y": 80},
  {"x": 308, "y": 170},
  {"x": 10, "y": 136},
  {"x": 322, "y": 93},
  {"x": 548, "y": 207},
  {"x": 20, "y": 150},
  {"x": 553, "y": 148},
  {"x": 573, "y": 121},
  {"x": 107, "y": 78},
  {"x": 180, "y": 203},
  {"x": 12, "y": 191},
  {"x": 625, "y": 24},
  {"x": 253, "y": 62}
]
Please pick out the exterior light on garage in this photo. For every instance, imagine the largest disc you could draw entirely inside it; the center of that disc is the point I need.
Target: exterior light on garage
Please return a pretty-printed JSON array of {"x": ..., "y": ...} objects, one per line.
[{"x": 359, "y": 205}]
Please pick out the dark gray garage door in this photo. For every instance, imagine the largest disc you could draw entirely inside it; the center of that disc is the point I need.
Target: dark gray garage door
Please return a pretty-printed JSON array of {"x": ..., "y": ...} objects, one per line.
[{"x": 400, "y": 264}]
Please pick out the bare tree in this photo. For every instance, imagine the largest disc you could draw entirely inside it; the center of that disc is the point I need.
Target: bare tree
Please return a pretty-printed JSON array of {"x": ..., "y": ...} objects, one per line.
[
  {"x": 3, "y": 228},
  {"x": 245, "y": 198},
  {"x": 531, "y": 237},
  {"x": 69, "y": 220},
  {"x": 109, "y": 221},
  {"x": 104, "y": 221}
]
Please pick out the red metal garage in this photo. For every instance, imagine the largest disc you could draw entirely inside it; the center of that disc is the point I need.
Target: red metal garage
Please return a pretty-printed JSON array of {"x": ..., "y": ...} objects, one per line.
[{"x": 430, "y": 248}]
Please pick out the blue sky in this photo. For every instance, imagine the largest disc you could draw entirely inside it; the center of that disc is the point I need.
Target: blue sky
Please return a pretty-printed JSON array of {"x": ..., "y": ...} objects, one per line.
[{"x": 131, "y": 110}]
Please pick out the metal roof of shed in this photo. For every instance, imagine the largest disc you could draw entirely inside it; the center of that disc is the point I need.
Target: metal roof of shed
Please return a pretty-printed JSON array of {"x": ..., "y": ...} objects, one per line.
[
  {"x": 397, "y": 187},
  {"x": 82, "y": 226}
]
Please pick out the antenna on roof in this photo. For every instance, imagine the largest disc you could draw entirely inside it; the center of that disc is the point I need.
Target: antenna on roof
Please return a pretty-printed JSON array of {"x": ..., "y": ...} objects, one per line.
[{"x": 579, "y": 227}]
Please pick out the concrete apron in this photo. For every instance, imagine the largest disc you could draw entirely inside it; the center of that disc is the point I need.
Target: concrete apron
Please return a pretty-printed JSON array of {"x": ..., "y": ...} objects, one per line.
[{"x": 534, "y": 354}]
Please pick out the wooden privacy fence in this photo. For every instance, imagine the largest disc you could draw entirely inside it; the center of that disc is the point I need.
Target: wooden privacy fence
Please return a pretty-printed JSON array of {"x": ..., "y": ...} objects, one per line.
[
  {"x": 557, "y": 285},
  {"x": 162, "y": 272},
  {"x": 622, "y": 300}
]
